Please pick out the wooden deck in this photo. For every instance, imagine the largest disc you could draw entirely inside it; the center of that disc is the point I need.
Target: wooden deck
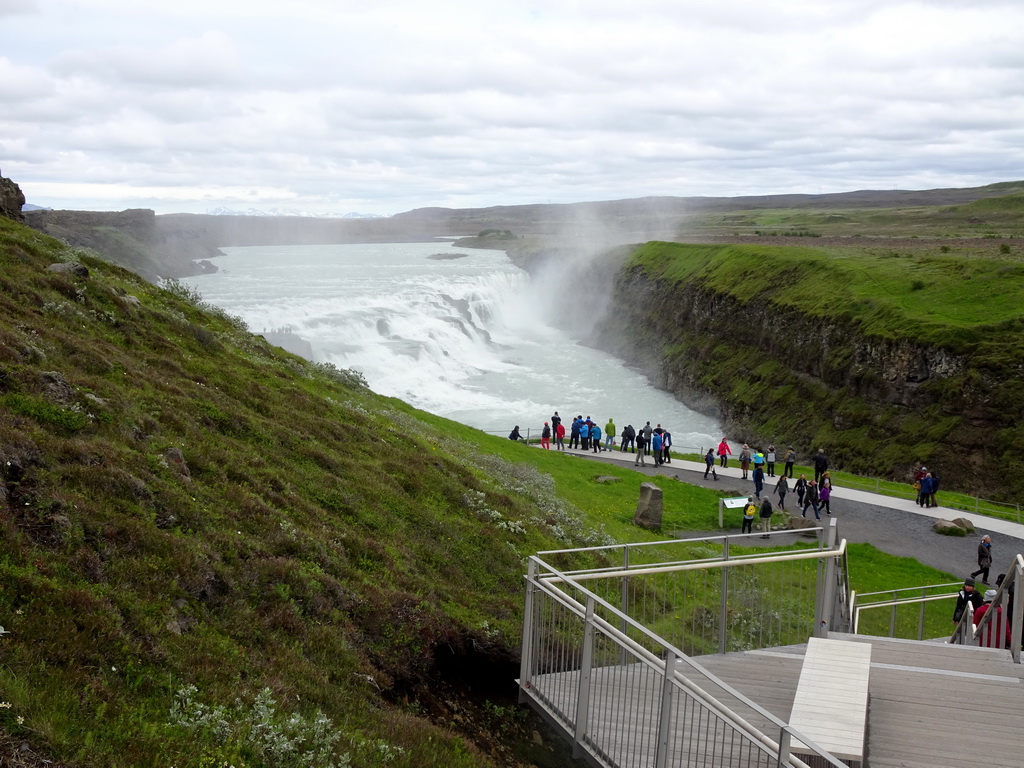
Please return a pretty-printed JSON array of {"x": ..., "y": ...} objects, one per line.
[{"x": 931, "y": 705}]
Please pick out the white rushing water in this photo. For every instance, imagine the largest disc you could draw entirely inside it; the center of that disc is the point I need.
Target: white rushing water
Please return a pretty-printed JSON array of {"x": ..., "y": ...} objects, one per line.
[{"x": 465, "y": 338}]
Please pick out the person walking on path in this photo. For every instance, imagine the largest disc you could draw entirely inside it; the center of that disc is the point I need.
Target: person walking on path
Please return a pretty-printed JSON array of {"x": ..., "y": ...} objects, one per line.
[
  {"x": 790, "y": 461},
  {"x": 825, "y": 495},
  {"x": 935, "y": 490},
  {"x": 609, "y": 435},
  {"x": 967, "y": 595},
  {"x": 709, "y": 464},
  {"x": 801, "y": 490},
  {"x": 628, "y": 439},
  {"x": 758, "y": 480},
  {"x": 545, "y": 437},
  {"x": 724, "y": 453},
  {"x": 820, "y": 464},
  {"x": 666, "y": 444},
  {"x": 984, "y": 558},
  {"x": 641, "y": 444},
  {"x": 811, "y": 499},
  {"x": 748, "y": 516},
  {"x": 766, "y": 517},
  {"x": 745, "y": 460},
  {"x": 769, "y": 460},
  {"x": 656, "y": 445},
  {"x": 560, "y": 436},
  {"x": 595, "y": 438},
  {"x": 782, "y": 488}
]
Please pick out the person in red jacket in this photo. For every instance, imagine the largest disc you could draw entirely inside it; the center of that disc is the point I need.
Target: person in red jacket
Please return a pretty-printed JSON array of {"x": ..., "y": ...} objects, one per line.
[
  {"x": 723, "y": 452},
  {"x": 560, "y": 436},
  {"x": 997, "y": 633}
]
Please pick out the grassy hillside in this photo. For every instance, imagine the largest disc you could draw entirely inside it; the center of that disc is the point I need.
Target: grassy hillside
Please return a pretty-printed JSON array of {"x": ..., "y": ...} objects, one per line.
[{"x": 214, "y": 552}]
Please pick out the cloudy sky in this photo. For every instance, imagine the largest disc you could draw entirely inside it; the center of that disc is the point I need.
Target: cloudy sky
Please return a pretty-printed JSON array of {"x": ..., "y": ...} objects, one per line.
[{"x": 333, "y": 106}]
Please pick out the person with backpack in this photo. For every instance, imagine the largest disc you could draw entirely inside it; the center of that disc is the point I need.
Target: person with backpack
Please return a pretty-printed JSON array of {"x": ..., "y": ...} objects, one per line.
[
  {"x": 749, "y": 511},
  {"x": 595, "y": 438},
  {"x": 790, "y": 461},
  {"x": 545, "y": 437},
  {"x": 656, "y": 445},
  {"x": 560, "y": 436}
]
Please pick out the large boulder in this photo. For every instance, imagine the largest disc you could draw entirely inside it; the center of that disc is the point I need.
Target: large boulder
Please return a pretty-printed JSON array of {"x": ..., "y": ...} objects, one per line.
[{"x": 649, "y": 507}]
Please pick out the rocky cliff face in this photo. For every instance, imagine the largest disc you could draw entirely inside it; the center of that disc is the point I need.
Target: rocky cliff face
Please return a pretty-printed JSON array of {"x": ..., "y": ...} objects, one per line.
[
  {"x": 774, "y": 375},
  {"x": 11, "y": 200}
]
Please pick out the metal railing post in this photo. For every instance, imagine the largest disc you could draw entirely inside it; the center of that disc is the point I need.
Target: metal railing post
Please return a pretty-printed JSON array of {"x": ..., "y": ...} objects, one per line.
[
  {"x": 1018, "y": 611},
  {"x": 723, "y": 611},
  {"x": 625, "y": 598},
  {"x": 920, "y": 617},
  {"x": 583, "y": 697},
  {"x": 526, "y": 661},
  {"x": 892, "y": 615},
  {"x": 665, "y": 714},
  {"x": 819, "y": 602},
  {"x": 828, "y": 597},
  {"x": 784, "y": 741}
]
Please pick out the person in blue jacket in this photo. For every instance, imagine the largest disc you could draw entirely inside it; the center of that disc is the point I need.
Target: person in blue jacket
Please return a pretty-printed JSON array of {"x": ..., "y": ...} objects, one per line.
[
  {"x": 595, "y": 438},
  {"x": 585, "y": 435},
  {"x": 574, "y": 433},
  {"x": 656, "y": 446}
]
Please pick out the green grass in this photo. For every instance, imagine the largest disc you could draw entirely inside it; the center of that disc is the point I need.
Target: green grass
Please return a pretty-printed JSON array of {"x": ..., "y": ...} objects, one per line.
[{"x": 933, "y": 298}]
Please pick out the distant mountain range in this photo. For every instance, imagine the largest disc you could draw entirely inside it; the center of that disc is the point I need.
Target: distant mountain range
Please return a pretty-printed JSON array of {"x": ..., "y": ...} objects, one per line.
[{"x": 222, "y": 211}]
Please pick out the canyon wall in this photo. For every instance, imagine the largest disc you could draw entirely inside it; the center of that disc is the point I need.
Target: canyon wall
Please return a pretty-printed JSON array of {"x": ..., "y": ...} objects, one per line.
[{"x": 880, "y": 399}]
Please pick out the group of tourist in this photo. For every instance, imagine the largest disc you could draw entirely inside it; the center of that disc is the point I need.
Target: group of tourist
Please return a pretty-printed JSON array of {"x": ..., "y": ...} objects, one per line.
[
  {"x": 585, "y": 434},
  {"x": 926, "y": 485},
  {"x": 997, "y": 633}
]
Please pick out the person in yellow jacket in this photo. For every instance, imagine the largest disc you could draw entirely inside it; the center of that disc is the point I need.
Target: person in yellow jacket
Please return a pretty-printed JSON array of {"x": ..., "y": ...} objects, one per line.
[{"x": 609, "y": 435}]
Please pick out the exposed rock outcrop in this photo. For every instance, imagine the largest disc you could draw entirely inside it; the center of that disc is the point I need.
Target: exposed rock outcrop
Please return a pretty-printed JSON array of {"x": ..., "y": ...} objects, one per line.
[{"x": 12, "y": 199}]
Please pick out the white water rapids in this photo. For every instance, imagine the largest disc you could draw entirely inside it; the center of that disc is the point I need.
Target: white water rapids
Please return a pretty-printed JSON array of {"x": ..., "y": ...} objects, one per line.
[{"x": 466, "y": 338}]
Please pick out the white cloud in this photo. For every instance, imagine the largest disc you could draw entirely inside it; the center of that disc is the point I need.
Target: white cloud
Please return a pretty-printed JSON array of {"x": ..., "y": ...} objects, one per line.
[{"x": 402, "y": 104}]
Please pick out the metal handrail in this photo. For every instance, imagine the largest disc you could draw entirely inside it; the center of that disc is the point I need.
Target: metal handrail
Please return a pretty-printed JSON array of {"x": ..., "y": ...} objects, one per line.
[{"x": 545, "y": 582}]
